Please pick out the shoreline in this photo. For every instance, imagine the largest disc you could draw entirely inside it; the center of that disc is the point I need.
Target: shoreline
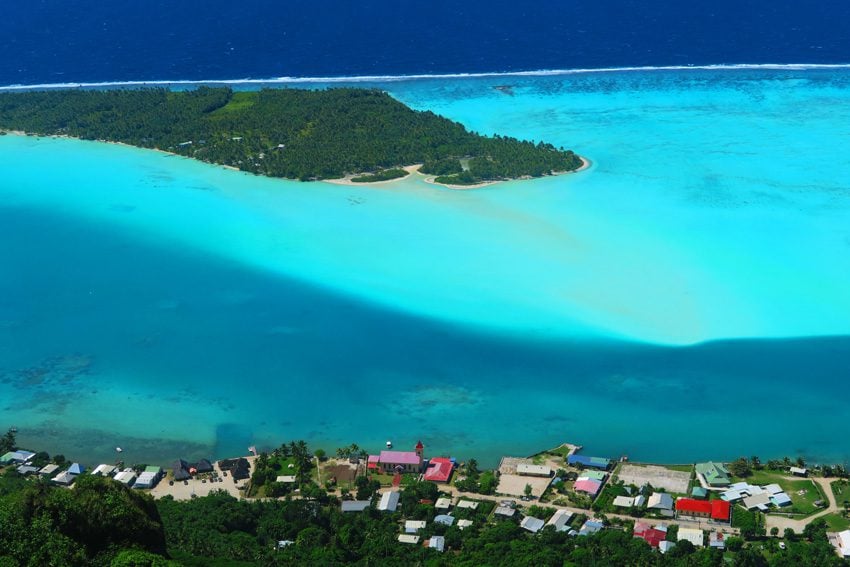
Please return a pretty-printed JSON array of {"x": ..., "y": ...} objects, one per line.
[{"x": 344, "y": 181}]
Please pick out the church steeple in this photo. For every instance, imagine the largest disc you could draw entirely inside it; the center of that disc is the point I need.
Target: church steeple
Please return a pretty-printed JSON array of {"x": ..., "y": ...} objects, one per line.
[{"x": 420, "y": 449}]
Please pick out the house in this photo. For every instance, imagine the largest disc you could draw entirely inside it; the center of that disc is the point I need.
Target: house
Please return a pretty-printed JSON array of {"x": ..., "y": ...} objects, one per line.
[
  {"x": 651, "y": 535},
  {"x": 103, "y": 470},
  {"x": 180, "y": 470},
  {"x": 76, "y": 468},
  {"x": 439, "y": 469},
  {"x": 699, "y": 492},
  {"x": 467, "y": 504},
  {"x": 413, "y": 526},
  {"x": 591, "y": 527},
  {"x": 714, "y": 474},
  {"x": 588, "y": 462},
  {"x": 127, "y": 477},
  {"x": 463, "y": 524},
  {"x": 389, "y": 501},
  {"x": 640, "y": 500},
  {"x": 798, "y": 471},
  {"x": 239, "y": 468},
  {"x": 155, "y": 470},
  {"x": 284, "y": 543},
  {"x": 355, "y": 505},
  {"x": 532, "y": 524},
  {"x": 437, "y": 542},
  {"x": 841, "y": 542},
  {"x": 443, "y": 503},
  {"x": 528, "y": 469},
  {"x": 587, "y": 485},
  {"x": 693, "y": 535},
  {"x": 560, "y": 520},
  {"x": 759, "y": 501},
  {"x": 48, "y": 470},
  {"x": 18, "y": 457},
  {"x": 202, "y": 466},
  {"x": 147, "y": 479},
  {"x": 65, "y": 478},
  {"x": 624, "y": 502},
  {"x": 660, "y": 501},
  {"x": 593, "y": 475},
  {"x": 444, "y": 519},
  {"x": 286, "y": 479},
  {"x": 717, "y": 540},
  {"x": 780, "y": 499},
  {"x": 665, "y": 546},
  {"x": 718, "y": 510},
  {"x": 504, "y": 511},
  {"x": 372, "y": 462},
  {"x": 27, "y": 470},
  {"x": 406, "y": 538}
]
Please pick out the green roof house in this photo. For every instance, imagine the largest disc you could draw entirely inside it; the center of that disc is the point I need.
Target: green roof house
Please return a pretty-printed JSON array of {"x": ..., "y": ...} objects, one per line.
[
  {"x": 699, "y": 492},
  {"x": 715, "y": 474}
]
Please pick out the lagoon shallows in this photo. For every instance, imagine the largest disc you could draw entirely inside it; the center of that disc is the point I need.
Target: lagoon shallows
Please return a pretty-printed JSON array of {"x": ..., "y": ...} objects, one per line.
[{"x": 691, "y": 284}]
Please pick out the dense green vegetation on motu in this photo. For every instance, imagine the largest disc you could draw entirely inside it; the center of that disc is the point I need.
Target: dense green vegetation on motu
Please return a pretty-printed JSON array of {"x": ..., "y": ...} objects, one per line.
[{"x": 299, "y": 134}]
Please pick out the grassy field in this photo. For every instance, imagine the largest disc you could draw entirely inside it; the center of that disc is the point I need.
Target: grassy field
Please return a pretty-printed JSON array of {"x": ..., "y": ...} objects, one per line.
[
  {"x": 836, "y": 522},
  {"x": 680, "y": 468},
  {"x": 841, "y": 490},
  {"x": 803, "y": 504}
]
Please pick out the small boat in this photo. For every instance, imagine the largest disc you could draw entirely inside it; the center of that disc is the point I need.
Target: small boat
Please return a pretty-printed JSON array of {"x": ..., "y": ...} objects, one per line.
[
  {"x": 119, "y": 450},
  {"x": 389, "y": 444},
  {"x": 13, "y": 429}
]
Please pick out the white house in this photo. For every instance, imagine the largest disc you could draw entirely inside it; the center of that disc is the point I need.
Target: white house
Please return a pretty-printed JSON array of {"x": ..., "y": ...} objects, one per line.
[
  {"x": 560, "y": 520},
  {"x": 413, "y": 526},
  {"x": 532, "y": 524},
  {"x": 660, "y": 501},
  {"x": 127, "y": 476},
  {"x": 437, "y": 542},
  {"x": 389, "y": 501},
  {"x": 693, "y": 535}
]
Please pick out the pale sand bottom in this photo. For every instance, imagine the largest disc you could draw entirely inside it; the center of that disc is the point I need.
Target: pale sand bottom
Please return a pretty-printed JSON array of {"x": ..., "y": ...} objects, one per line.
[{"x": 431, "y": 179}]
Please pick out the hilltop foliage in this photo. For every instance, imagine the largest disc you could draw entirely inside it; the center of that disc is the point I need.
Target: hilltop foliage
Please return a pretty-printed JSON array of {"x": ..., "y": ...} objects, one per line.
[{"x": 298, "y": 134}]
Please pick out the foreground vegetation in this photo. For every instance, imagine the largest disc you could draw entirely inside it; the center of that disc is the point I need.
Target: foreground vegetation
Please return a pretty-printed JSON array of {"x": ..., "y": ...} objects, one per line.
[
  {"x": 298, "y": 134},
  {"x": 101, "y": 522}
]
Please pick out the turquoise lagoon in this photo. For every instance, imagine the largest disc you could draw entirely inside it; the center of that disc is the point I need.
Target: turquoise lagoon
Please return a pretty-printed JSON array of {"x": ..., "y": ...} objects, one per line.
[{"x": 685, "y": 298}]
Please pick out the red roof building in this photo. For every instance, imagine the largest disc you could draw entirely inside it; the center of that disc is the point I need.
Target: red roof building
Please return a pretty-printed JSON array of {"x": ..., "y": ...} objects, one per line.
[
  {"x": 721, "y": 510},
  {"x": 439, "y": 470},
  {"x": 652, "y": 536},
  {"x": 714, "y": 509}
]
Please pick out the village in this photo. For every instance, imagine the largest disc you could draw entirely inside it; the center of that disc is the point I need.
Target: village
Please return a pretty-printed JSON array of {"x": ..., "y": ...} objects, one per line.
[{"x": 708, "y": 504}]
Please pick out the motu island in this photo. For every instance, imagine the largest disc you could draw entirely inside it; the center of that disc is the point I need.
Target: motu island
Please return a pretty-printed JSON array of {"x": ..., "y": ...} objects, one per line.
[{"x": 299, "y": 134}]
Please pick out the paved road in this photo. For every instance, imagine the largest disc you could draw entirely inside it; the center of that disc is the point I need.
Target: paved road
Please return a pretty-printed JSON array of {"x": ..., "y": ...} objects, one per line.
[{"x": 782, "y": 522}]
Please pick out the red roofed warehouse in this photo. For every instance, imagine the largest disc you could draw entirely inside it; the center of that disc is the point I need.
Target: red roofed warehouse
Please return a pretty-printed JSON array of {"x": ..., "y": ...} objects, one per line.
[{"x": 715, "y": 509}]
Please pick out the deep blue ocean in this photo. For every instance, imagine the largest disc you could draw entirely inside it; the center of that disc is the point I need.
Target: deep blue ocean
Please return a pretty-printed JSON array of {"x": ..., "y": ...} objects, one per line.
[{"x": 57, "y": 41}]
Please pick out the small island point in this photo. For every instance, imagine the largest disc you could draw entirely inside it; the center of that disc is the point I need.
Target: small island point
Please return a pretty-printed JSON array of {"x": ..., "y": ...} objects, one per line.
[{"x": 347, "y": 134}]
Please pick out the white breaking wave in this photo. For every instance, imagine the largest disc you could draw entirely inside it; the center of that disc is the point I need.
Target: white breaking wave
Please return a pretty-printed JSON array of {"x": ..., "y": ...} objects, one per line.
[{"x": 420, "y": 77}]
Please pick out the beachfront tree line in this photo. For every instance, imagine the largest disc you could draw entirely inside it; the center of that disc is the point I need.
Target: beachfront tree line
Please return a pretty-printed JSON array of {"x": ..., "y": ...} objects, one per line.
[{"x": 293, "y": 133}]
